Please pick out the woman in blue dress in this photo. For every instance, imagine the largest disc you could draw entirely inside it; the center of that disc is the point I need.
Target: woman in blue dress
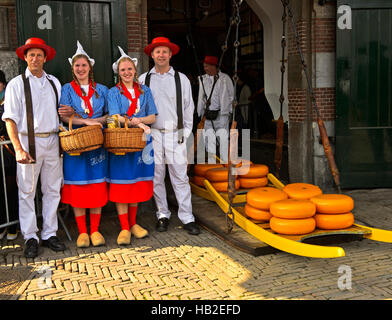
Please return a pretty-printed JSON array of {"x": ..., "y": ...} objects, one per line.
[
  {"x": 85, "y": 184},
  {"x": 130, "y": 176}
]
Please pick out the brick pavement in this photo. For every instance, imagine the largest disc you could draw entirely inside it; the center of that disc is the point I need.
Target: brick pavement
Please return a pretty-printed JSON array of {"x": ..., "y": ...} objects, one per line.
[{"x": 175, "y": 265}]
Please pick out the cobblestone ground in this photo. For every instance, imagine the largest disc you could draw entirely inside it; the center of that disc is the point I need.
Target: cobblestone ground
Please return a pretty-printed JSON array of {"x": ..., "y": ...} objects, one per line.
[{"x": 174, "y": 265}]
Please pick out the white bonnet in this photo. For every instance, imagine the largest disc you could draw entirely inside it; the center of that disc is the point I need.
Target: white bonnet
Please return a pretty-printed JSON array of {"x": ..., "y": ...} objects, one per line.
[{"x": 123, "y": 55}]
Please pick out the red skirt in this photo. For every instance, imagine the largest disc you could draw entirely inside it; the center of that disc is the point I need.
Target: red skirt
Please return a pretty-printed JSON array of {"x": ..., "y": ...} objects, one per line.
[
  {"x": 131, "y": 193},
  {"x": 93, "y": 195}
]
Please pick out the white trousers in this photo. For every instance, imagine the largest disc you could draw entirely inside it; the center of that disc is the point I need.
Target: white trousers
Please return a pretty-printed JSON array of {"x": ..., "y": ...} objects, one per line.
[
  {"x": 168, "y": 151},
  {"x": 48, "y": 167},
  {"x": 221, "y": 126}
]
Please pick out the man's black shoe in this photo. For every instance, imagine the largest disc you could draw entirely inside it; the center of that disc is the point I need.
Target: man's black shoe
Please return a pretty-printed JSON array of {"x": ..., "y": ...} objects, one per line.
[
  {"x": 31, "y": 250},
  {"x": 54, "y": 243},
  {"x": 162, "y": 224},
  {"x": 192, "y": 228}
]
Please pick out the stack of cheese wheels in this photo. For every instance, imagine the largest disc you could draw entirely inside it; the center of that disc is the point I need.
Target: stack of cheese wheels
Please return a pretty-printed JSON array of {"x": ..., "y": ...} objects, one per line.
[
  {"x": 200, "y": 172},
  {"x": 333, "y": 211},
  {"x": 293, "y": 216},
  {"x": 219, "y": 178},
  {"x": 302, "y": 190},
  {"x": 259, "y": 200},
  {"x": 252, "y": 175}
]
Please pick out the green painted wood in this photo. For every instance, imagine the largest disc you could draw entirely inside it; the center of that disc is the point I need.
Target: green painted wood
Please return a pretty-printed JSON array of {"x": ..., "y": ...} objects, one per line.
[
  {"x": 99, "y": 25},
  {"x": 363, "y": 96}
]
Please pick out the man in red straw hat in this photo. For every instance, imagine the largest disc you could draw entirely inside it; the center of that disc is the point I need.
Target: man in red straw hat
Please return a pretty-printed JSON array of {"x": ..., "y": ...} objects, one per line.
[
  {"x": 30, "y": 112},
  {"x": 221, "y": 100},
  {"x": 172, "y": 94}
]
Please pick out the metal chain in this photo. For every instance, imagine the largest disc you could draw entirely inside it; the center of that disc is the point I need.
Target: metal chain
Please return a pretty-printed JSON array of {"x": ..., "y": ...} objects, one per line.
[
  {"x": 231, "y": 183},
  {"x": 283, "y": 44}
]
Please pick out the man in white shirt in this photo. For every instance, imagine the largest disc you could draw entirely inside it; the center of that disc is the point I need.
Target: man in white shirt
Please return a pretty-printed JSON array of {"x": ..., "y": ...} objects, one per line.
[
  {"x": 169, "y": 142},
  {"x": 221, "y": 100},
  {"x": 46, "y": 163}
]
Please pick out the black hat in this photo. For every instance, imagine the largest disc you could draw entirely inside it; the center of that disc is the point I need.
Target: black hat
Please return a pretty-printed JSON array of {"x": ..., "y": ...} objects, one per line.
[{"x": 2, "y": 77}]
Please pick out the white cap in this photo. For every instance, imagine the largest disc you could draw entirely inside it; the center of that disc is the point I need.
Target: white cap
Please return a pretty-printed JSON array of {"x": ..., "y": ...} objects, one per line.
[
  {"x": 80, "y": 50},
  {"x": 123, "y": 55}
]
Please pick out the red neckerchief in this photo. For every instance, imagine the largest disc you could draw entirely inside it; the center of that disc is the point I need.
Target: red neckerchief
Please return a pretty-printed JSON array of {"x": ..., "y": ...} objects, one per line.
[
  {"x": 123, "y": 89},
  {"x": 87, "y": 98}
]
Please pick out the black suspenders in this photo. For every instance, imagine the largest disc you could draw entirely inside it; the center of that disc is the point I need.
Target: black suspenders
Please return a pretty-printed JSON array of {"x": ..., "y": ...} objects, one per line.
[
  {"x": 180, "y": 120},
  {"x": 29, "y": 112}
]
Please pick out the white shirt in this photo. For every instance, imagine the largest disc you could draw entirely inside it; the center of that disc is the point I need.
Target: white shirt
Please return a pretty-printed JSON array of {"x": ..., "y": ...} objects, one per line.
[
  {"x": 163, "y": 88},
  {"x": 44, "y": 103},
  {"x": 222, "y": 96}
]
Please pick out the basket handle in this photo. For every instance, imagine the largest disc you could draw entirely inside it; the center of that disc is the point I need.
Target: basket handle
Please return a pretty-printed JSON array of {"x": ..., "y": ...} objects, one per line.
[
  {"x": 70, "y": 120},
  {"x": 126, "y": 122}
]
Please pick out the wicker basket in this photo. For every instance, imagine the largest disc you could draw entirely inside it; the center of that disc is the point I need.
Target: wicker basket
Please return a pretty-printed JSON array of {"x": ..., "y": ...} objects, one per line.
[
  {"x": 76, "y": 141},
  {"x": 124, "y": 140}
]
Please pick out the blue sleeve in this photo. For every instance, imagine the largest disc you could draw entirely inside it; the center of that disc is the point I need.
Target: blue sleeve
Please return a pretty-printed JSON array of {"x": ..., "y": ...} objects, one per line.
[
  {"x": 65, "y": 95},
  {"x": 113, "y": 101},
  {"x": 105, "y": 92},
  {"x": 150, "y": 104}
]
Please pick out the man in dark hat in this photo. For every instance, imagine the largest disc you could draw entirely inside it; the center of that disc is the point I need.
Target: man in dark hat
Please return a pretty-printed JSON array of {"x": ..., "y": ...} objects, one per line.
[
  {"x": 36, "y": 144},
  {"x": 170, "y": 130}
]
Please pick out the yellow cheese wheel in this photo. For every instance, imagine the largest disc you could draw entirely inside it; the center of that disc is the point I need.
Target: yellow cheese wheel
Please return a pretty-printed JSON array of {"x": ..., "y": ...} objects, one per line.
[
  {"x": 250, "y": 183},
  {"x": 333, "y": 203},
  {"x": 334, "y": 221},
  {"x": 292, "y": 226},
  {"x": 302, "y": 190},
  {"x": 253, "y": 171},
  {"x": 217, "y": 174},
  {"x": 201, "y": 169},
  {"x": 257, "y": 214},
  {"x": 197, "y": 180},
  {"x": 222, "y": 186},
  {"x": 261, "y": 198},
  {"x": 293, "y": 209}
]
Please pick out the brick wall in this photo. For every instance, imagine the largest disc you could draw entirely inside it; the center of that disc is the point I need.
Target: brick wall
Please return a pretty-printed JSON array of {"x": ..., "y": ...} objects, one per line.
[
  {"x": 136, "y": 26},
  {"x": 13, "y": 28},
  {"x": 322, "y": 33}
]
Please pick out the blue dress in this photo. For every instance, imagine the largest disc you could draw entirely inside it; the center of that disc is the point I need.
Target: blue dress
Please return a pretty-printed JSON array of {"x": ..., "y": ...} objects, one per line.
[
  {"x": 85, "y": 175},
  {"x": 131, "y": 175}
]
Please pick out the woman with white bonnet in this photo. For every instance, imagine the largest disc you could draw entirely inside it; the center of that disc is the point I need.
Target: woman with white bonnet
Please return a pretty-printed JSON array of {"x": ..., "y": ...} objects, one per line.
[
  {"x": 130, "y": 176},
  {"x": 85, "y": 184}
]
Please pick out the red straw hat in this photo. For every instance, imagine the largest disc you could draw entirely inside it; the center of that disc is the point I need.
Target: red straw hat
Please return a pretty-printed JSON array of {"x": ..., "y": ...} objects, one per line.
[
  {"x": 211, "y": 60},
  {"x": 36, "y": 43},
  {"x": 161, "y": 42}
]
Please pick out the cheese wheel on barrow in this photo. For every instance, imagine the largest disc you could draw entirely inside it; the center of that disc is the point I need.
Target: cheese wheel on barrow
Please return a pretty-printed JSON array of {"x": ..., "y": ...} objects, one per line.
[
  {"x": 253, "y": 171},
  {"x": 239, "y": 163},
  {"x": 333, "y": 203},
  {"x": 197, "y": 180},
  {"x": 257, "y": 214},
  {"x": 250, "y": 183},
  {"x": 217, "y": 174},
  {"x": 261, "y": 198},
  {"x": 334, "y": 221},
  {"x": 222, "y": 186},
  {"x": 201, "y": 169},
  {"x": 293, "y": 209},
  {"x": 302, "y": 190},
  {"x": 292, "y": 226}
]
